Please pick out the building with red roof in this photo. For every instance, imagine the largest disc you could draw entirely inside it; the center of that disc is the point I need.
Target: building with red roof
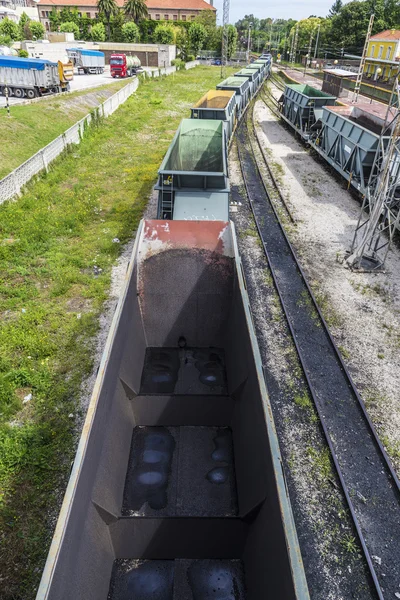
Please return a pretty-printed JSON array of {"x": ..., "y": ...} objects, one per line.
[{"x": 159, "y": 10}]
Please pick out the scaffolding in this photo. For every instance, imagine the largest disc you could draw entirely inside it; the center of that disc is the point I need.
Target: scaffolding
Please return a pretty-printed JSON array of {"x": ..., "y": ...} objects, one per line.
[
  {"x": 362, "y": 63},
  {"x": 380, "y": 211}
]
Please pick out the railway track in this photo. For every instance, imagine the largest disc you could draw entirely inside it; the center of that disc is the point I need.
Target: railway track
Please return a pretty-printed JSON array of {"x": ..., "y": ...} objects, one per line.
[{"x": 370, "y": 485}]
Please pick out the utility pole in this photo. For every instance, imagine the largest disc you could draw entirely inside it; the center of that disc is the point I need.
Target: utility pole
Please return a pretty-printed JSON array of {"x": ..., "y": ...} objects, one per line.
[
  {"x": 296, "y": 37},
  {"x": 248, "y": 44},
  {"x": 362, "y": 63},
  {"x": 380, "y": 211},
  {"x": 225, "y": 23},
  {"x": 308, "y": 55},
  {"x": 316, "y": 42}
]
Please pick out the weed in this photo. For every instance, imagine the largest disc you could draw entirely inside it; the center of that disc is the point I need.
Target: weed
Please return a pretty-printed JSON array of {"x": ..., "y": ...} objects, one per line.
[
  {"x": 303, "y": 400},
  {"x": 348, "y": 542},
  {"x": 321, "y": 460},
  {"x": 345, "y": 353},
  {"x": 380, "y": 355}
]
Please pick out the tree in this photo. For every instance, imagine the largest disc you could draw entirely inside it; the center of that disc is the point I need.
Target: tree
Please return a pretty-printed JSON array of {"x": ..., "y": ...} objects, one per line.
[
  {"x": 197, "y": 36},
  {"x": 335, "y": 8},
  {"x": 98, "y": 32},
  {"x": 84, "y": 27},
  {"x": 55, "y": 19},
  {"x": 70, "y": 27},
  {"x": 130, "y": 32},
  {"x": 9, "y": 29},
  {"x": 108, "y": 8},
  {"x": 37, "y": 30},
  {"x": 5, "y": 40},
  {"x": 232, "y": 40},
  {"x": 164, "y": 34},
  {"x": 24, "y": 19},
  {"x": 136, "y": 10}
]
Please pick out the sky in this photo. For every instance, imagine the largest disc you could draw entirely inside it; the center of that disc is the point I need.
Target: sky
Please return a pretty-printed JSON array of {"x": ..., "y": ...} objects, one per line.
[{"x": 283, "y": 9}]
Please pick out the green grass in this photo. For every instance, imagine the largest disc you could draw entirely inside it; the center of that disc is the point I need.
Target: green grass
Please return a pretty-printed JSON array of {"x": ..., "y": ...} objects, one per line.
[
  {"x": 51, "y": 298},
  {"x": 32, "y": 126}
]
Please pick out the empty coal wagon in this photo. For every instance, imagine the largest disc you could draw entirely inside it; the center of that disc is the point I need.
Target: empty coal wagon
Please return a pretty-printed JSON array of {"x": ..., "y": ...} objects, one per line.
[{"x": 177, "y": 489}]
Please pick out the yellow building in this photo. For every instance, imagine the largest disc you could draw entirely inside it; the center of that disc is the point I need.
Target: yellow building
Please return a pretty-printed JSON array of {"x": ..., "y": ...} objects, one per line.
[{"x": 383, "y": 53}]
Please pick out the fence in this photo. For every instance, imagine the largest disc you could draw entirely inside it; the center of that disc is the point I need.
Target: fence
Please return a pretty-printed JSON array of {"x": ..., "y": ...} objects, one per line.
[{"x": 12, "y": 184}]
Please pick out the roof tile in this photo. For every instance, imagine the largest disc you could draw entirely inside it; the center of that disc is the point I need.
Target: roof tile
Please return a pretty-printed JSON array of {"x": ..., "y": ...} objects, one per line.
[
  {"x": 388, "y": 34},
  {"x": 152, "y": 4}
]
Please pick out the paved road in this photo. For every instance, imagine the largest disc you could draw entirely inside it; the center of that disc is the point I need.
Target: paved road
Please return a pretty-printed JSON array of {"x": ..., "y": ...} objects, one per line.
[{"x": 80, "y": 82}]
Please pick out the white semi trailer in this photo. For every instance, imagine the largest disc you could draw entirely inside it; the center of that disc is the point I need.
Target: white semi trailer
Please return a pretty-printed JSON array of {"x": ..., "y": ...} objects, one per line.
[
  {"x": 87, "y": 61},
  {"x": 31, "y": 77}
]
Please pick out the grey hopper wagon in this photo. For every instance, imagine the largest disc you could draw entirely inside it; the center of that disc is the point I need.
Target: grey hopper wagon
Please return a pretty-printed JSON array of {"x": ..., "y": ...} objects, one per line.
[
  {"x": 253, "y": 77},
  {"x": 177, "y": 489},
  {"x": 259, "y": 68},
  {"x": 348, "y": 137},
  {"x": 301, "y": 106},
  {"x": 241, "y": 87},
  {"x": 267, "y": 65},
  {"x": 193, "y": 177},
  {"x": 217, "y": 105}
]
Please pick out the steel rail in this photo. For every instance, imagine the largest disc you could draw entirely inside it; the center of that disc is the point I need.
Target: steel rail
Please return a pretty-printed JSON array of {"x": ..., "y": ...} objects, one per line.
[{"x": 243, "y": 136}]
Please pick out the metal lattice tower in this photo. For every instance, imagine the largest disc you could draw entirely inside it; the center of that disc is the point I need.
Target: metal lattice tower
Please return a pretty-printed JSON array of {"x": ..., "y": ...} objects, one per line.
[
  {"x": 296, "y": 37},
  {"x": 225, "y": 23},
  {"x": 308, "y": 57},
  {"x": 380, "y": 212},
  {"x": 362, "y": 63}
]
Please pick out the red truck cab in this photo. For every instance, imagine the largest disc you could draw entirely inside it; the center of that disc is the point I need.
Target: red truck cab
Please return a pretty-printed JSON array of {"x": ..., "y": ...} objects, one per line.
[{"x": 119, "y": 66}]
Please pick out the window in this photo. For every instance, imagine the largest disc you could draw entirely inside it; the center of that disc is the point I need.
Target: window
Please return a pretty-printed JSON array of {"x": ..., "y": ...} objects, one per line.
[
  {"x": 372, "y": 50},
  {"x": 193, "y": 17},
  {"x": 183, "y": 17},
  {"x": 166, "y": 17},
  {"x": 175, "y": 17},
  {"x": 43, "y": 13},
  {"x": 380, "y": 51},
  {"x": 88, "y": 15},
  {"x": 79, "y": 14},
  {"x": 157, "y": 17},
  {"x": 389, "y": 52}
]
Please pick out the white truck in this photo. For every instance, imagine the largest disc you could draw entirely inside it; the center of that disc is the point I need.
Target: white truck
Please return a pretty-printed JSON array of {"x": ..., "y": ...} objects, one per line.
[
  {"x": 87, "y": 61},
  {"x": 31, "y": 77}
]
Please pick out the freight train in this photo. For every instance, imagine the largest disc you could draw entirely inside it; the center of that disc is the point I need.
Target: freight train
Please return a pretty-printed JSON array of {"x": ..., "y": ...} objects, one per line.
[
  {"x": 177, "y": 489},
  {"x": 349, "y": 137}
]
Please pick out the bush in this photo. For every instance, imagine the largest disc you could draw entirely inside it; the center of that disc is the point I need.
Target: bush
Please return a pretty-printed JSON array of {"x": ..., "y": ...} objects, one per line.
[
  {"x": 23, "y": 54},
  {"x": 130, "y": 32},
  {"x": 5, "y": 40},
  {"x": 98, "y": 33},
  {"x": 178, "y": 63},
  {"x": 9, "y": 29},
  {"x": 190, "y": 57},
  {"x": 70, "y": 27},
  {"x": 37, "y": 29},
  {"x": 164, "y": 34}
]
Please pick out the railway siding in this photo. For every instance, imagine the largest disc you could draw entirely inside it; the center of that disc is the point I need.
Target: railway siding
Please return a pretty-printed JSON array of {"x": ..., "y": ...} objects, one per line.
[{"x": 372, "y": 488}]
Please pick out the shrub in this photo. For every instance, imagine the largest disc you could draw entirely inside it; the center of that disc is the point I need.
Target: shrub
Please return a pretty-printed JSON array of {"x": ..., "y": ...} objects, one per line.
[
  {"x": 190, "y": 57},
  {"x": 23, "y": 53},
  {"x": 164, "y": 34},
  {"x": 37, "y": 29},
  {"x": 9, "y": 29},
  {"x": 178, "y": 63},
  {"x": 98, "y": 32},
  {"x": 130, "y": 32},
  {"x": 70, "y": 27}
]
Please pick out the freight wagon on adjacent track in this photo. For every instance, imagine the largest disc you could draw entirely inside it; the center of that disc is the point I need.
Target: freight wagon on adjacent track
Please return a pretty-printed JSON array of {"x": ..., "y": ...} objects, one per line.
[
  {"x": 177, "y": 490},
  {"x": 351, "y": 138}
]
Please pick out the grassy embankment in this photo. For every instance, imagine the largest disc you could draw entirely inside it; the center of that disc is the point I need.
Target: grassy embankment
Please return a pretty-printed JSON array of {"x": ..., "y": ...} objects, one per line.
[
  {"x": 32, "y": 126},
  {"x": 50, "y": 300}
]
